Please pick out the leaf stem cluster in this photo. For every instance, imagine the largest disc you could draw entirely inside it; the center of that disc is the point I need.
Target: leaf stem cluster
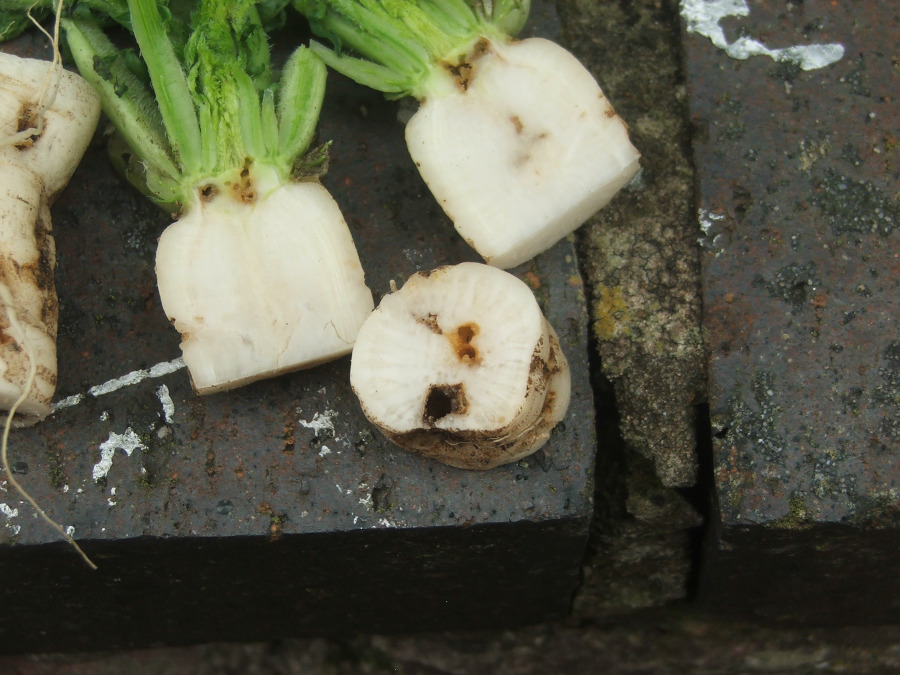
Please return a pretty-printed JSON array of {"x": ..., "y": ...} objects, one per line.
[
  {"x": 202, "y": 104},
  {"x": 396, "y": 46}
]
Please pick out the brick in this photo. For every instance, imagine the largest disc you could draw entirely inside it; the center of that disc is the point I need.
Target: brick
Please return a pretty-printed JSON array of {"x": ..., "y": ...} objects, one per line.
[{"x": 798, "y": 179}]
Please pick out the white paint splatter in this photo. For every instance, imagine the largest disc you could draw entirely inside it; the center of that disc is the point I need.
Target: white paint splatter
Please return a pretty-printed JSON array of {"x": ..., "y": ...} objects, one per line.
[
  {"x": 128, "y": 441},
  {"x": 136, "y": 376},
  {"x": 324, "y": 451},
  {"x": 112, "y": 493},
  {"x": 70, "y": 530},
  {"x": 168, "y": 405},
  {"x": 10, "y": 513},
  {"x": 704, "y": 17},
  {"x": 132, "y": 378},
  {"x": 67, "y": 402},
  {"x": 708, "y": 219},
  {"x": 321, "y": 423},
  {"x": 711, "y": 239}
]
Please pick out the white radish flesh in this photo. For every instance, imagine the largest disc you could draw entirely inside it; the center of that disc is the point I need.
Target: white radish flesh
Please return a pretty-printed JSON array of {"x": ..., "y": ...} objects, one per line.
[
  {"x": 263, "y": 286},
  {"x": 461, "y": 366},
  {"x": 522, "y": 150}
]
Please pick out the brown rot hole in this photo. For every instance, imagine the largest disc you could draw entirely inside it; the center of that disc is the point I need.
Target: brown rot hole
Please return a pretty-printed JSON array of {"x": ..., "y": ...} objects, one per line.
[
  {"x": 462, "y": 73},
  {"x": 208, "y": 192},
  {"x": 461, "y": 339},
  {"x": 443, "y": 400},
  {"x": 27, "y": 118}
]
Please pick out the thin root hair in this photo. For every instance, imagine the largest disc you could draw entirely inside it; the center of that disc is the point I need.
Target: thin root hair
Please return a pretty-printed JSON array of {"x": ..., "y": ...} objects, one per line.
[{"x": 18, "y": 332}]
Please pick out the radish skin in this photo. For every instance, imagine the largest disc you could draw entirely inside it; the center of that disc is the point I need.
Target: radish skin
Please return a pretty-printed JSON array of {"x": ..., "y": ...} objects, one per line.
[
  {"x": 27, "y": 257},
  {"x": 66, "y": 126}
]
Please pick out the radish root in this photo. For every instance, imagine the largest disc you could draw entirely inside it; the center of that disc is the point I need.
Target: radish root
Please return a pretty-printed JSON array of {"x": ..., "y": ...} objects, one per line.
[
  {"x": 46, "y": 96},
  {"x": 49, "y": 86}
]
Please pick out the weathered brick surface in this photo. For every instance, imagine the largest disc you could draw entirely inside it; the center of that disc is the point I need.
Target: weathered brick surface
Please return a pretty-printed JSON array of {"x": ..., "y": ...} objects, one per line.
[{"x": 798, "y": 181}]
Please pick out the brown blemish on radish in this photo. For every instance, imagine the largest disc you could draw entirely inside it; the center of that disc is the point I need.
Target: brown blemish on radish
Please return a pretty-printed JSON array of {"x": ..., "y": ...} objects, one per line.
[
  {"x": 29, "y": 119},
  {"x": 430, "y": 322},
  {"x": 461, "y": 341},
  {"x": 208, "y": 193},
  {"x": 463, "y": 72},
  {"x": 243, "y": 191}
]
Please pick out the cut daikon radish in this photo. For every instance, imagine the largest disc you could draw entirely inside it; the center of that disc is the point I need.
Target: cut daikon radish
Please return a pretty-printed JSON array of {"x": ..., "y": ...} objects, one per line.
[
  {"x": 259, "y": 274},
  {"x": 525, "y": 153},
  {"x": 515, "y": 139},
  {"x": 256, "y": 289},
  {"x": 461, "y": 366}
]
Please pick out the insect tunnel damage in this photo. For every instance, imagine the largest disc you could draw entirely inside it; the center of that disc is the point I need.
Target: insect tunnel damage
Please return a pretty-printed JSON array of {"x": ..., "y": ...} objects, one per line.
[{"x": 443, "y": 400}]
